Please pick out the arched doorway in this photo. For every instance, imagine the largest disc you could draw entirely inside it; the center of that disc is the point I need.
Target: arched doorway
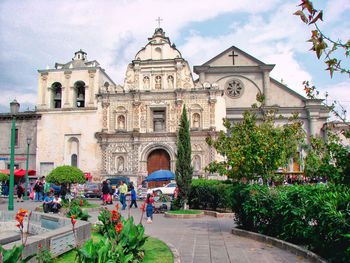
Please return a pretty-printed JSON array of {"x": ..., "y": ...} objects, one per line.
[{"x": 158, "y": 159}]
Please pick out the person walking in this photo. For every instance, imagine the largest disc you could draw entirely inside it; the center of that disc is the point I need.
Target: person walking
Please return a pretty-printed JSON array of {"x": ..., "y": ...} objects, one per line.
[
  {"x": 37, "y": 190},
  {"x": 133, "y": 197},
  {"x": 123, "y": 191},
  {"x": 20, "y": 192}
]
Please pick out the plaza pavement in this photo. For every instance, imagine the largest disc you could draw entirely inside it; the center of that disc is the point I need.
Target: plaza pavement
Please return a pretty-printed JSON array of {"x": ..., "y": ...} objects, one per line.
[{"x": 203, "y": 240}]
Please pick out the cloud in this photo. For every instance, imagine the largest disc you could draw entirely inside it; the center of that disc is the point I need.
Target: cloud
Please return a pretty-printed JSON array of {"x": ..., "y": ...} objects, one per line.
[{"x": 38, "y": 33}]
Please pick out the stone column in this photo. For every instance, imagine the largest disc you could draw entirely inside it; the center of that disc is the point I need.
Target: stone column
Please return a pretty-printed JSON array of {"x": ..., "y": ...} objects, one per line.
[
  {"x": 136, "y": 125},
  {"x": 266, "y": 87},
  {"x": 212, "y": 103},
  {"x": 65, "y": 94},
  {"x": 105, "y": 106},
  {"x": 91, "y": 86},
  {"x": 42, "y": 89}
]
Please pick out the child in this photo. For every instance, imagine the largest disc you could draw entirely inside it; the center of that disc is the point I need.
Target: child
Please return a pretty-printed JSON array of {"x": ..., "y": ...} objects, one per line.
[{"x": 149, "y": 208}]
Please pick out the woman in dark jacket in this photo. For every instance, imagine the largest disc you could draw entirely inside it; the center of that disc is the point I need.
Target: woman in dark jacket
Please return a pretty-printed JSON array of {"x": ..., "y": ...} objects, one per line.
[
  {"x": 20, "y": 192},
  {"x": 105, "y": 192}
]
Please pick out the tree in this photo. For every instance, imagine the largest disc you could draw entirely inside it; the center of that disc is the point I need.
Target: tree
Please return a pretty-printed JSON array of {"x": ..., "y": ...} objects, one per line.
[
  {"x": 184, "y": 169},
  {"x": 256, "y": 147},
  {"x": 4, "y": 177},
  {"x": 66, "y": 175},
  {"x": 323, "y": 45},
  {"x": 328, "y": 159}
]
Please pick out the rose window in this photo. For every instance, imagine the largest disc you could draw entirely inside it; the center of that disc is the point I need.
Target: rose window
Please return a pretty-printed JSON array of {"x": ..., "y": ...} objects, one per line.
[{"x": 234, "y": 88}]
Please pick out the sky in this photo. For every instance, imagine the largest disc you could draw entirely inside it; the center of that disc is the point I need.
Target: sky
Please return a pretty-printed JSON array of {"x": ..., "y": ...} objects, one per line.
[{"x": 35, "y": 34}]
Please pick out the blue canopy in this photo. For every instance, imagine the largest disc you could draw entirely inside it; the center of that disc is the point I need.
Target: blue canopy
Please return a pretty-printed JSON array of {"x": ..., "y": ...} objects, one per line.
[{"x": 161, "y": 175}]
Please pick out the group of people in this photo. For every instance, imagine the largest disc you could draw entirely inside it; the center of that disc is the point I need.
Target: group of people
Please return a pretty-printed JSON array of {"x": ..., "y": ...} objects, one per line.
[{"x": 121, "y": 192}]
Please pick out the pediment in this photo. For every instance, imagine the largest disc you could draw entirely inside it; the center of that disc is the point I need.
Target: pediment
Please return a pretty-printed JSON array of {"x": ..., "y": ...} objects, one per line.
[{"x": 233, "y": 56}]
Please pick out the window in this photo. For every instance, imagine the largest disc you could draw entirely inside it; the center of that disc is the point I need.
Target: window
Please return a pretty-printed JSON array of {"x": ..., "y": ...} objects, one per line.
[
  {"x": 16, "y": 166},
  {"x": 80, "y": 94},
  {"x": 159, "y": 120},
  {"x": 16, "y": 137},
  {"x": 57, "y": 95}
]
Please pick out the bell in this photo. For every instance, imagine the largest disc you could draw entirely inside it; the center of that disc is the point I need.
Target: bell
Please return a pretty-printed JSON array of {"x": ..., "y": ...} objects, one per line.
[
  {"x": 80, "y": 97},
  {"x": 57, "y": 96}
]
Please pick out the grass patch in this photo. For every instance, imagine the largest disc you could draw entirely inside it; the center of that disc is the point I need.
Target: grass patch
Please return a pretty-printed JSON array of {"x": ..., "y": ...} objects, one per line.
[
  {"x": 185, "y": 212},
  {"x": 156, "y": 251},
  {"x": 91, "y": 206}
]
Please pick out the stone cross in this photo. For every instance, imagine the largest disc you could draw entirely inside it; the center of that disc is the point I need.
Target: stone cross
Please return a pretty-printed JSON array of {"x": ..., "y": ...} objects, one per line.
[
  {"x": 158, "y": 20},
  {"x": 233, "y": 56}
]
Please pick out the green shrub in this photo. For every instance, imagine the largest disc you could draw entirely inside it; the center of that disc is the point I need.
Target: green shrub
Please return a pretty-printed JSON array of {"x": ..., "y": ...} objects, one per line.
[
  {"x": 315, "y": 216},
  {"x": 75, "y": 202},
  {"x": 176, "y": 204},
  {"x": 210, "y": 194},
  {"x": 4, "y": 177},
  {"x": 79, "y": 213}
]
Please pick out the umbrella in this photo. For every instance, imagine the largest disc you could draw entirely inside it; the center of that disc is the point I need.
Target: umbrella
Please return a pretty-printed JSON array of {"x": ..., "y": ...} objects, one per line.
[{"x": 161, "y": 175}]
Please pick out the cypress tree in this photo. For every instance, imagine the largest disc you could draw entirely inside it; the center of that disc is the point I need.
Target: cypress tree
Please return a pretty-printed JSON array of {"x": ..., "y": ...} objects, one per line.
[{"x": 184, "y": 169}]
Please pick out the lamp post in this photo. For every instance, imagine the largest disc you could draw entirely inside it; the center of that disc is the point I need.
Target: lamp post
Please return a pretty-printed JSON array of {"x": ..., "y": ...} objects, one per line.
[
  {"x": 14, "y": 107},
  {"x": 26, "y": 186}
]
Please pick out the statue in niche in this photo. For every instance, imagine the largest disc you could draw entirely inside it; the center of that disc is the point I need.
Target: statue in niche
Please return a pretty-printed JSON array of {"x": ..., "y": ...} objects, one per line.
[
  {"x": 146, "y": 82},
  {"x": 196, "y": 163},
  {"x": 158, "y": 84},
  {"x": 120, "y": 164},
  {"x": 121, "y": 122},
  {"x": 170, "y": 82},
  {"x": 196, "y": 120}
]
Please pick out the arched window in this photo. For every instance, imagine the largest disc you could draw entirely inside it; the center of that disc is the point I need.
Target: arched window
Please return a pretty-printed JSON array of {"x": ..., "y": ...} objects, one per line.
[
  {"x": 56, "y": 95},
  {"x": 74, "y": 160},
  {"x": 80, "y": 94}
]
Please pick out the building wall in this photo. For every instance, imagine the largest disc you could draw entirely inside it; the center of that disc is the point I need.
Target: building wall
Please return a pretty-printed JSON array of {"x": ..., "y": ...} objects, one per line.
[{"x": 26, "y": 123}]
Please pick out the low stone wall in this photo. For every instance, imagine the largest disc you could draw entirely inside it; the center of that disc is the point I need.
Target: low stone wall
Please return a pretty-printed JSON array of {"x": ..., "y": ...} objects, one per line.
[
  {"x": 218, "y": 214},
  {"x": 183, "y": 216},
  {"x": 297, "y": 250},
  {"x": 58, "y": 233},
  {"x": 64, "y": 211}
]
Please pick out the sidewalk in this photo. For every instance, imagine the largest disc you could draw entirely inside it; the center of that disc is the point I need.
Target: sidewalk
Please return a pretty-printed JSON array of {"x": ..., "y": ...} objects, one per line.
[{"x": 203, "y": 240}]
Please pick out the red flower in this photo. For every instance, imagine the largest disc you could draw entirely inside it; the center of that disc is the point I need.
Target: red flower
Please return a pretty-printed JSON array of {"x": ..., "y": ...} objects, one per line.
[
  {"x": 119, "y": 227},
  {"x": 72, "y": 216},
  {"x": 73, "y": 222},
  {"x": 39, "y": 246},
  {"x": 117, "y": 207},
  {"x": 81, "y": 202}
]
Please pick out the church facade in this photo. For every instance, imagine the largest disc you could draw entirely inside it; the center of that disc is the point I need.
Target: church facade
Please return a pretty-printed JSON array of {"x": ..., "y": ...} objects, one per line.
[{"x": 111, "y": 130}]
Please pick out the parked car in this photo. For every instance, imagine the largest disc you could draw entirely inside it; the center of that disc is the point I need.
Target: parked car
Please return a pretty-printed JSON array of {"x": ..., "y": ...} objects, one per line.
[
  {"x": 93, "y": 190},
  {"x": 168, "y": 189}
]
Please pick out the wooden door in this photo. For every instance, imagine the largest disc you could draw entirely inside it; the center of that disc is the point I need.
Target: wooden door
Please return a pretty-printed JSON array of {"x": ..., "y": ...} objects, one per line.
[{"x": 158, "y": 160}]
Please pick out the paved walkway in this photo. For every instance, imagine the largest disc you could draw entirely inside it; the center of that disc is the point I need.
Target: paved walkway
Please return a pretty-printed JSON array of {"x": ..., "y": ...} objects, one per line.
[{"x": 203, "y": 240}]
